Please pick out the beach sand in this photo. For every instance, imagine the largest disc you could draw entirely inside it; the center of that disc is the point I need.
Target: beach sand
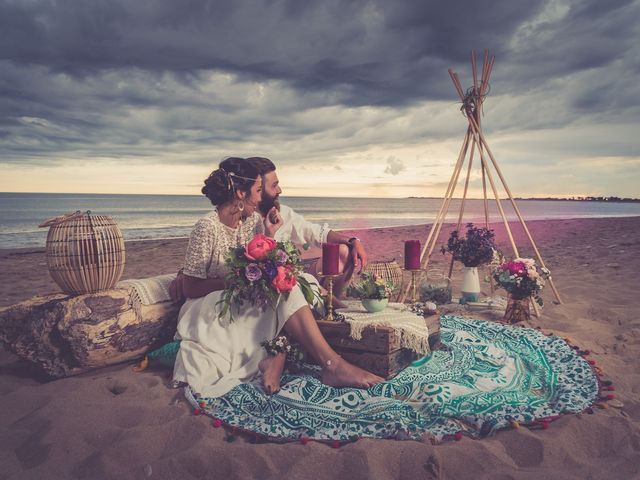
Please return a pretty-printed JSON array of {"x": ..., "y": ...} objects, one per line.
[{"x": 113, "y": 423}]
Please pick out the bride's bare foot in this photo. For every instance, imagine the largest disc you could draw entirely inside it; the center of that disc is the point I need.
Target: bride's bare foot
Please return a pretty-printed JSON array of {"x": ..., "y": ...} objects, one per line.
[
  {"x": 272, "y": 368},
  {"x": 341, "y": 373}
]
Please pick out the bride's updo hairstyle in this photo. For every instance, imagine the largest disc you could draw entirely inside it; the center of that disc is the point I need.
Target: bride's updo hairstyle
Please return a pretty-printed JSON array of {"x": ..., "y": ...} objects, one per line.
[{"x": 233, "y": 174}]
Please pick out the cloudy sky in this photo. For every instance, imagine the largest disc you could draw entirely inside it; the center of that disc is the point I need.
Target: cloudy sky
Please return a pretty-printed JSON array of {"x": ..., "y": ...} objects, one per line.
[{"x": 349, "y": 98}]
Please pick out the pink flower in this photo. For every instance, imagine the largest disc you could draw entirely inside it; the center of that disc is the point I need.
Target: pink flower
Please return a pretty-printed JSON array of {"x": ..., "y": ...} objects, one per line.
[
  {"x": 284, "y": 281},
  {"x": 259, "y": 247},
  {"x": 515, "y": 268}
]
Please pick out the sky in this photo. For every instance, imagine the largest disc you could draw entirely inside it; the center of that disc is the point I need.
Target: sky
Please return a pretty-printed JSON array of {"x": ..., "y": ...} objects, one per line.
[{"x": 348, "y": 98}]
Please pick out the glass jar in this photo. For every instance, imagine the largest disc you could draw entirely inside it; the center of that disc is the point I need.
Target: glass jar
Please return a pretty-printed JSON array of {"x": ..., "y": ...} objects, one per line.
[{"x": 435, "y": 288}]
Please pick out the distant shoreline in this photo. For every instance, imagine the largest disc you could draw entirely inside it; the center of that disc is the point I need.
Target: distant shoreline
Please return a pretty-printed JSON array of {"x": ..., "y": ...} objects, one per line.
[
  {"x": 608, "y": 199},
  {"x": 554, "y": 199}
]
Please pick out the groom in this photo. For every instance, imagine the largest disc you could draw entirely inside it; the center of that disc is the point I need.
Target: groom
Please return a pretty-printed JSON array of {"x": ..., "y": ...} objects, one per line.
[
  {"x": 301, "y": 232},
  {"x": 295, "y": 228}
]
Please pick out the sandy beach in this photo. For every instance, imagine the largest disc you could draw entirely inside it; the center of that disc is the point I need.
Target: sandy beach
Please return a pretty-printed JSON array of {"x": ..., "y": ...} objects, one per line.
[{"x": 114, "y": 423}]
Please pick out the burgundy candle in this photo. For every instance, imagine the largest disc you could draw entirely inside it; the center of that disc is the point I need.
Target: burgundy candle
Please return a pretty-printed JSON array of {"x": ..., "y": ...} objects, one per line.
[
  {"x": 412, "y": 254},
  {"x": 330, "y": 259}
]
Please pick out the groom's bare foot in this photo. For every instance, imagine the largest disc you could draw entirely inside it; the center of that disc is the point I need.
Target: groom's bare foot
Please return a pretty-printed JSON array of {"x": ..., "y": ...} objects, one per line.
[
  {"x": 272, "y": 368},
  {"x": 343, "y": 374}
]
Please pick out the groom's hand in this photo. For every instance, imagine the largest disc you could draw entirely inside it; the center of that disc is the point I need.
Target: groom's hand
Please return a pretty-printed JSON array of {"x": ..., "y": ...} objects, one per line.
[
  {"x": 358, "y": 255},
  {"x": 273, "y": 221}
]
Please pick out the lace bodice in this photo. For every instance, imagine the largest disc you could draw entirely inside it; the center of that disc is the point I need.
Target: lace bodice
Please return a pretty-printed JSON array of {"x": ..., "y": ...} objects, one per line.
[{"x": 211, "y": 239}]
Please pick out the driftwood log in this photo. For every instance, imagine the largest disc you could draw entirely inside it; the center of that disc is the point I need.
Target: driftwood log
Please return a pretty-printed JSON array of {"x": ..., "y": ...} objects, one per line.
[{"x": 66, "y": 335}]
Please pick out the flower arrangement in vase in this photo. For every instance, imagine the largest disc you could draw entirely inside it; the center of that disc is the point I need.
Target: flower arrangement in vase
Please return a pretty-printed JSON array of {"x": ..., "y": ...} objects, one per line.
[
  {"x": 372, "y": 291},
  {"x": 476, "y": 248},
  {"x": 523, "y": 279}
]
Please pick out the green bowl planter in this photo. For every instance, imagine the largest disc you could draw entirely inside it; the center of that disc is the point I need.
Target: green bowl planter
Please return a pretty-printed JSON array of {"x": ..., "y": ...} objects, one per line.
[{"x": 372, "y": 305}]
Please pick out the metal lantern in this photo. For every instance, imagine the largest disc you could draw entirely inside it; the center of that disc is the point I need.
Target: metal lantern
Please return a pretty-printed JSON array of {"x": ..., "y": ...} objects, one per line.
[{"x": 85, "y": 253}]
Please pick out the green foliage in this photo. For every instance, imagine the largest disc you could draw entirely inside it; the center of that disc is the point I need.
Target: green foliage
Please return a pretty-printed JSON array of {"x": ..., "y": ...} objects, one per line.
[
  {"x": 371, "y": 286},
  {"x": 475, "y": 249}
]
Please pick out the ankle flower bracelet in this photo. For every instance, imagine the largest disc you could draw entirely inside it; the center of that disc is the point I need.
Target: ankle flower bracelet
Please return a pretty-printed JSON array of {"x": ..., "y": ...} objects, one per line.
[{"x": 281, "y": 345}]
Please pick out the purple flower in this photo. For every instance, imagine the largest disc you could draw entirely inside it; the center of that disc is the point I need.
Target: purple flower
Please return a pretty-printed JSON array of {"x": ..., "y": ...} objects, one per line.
[
  {"x": 253, "y": 272},
  {"x": 270, "y": 270},
  {"x": 281, "y": 257}
]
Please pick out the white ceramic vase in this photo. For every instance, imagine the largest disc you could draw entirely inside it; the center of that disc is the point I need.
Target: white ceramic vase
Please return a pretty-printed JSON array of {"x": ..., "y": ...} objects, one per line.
[{"x": 470, "y": 284}]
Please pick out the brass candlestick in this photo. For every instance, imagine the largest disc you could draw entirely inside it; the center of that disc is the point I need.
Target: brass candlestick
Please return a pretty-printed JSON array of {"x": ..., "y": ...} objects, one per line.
[
  {"x": 414, "y": 294},
  {"x": 329, "y": 301}
]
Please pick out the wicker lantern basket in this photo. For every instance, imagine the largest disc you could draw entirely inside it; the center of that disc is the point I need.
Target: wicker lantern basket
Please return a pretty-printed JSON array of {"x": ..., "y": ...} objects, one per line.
[
  {"x": 85, "y": 253},
  {"x": 388, "y": 270}
]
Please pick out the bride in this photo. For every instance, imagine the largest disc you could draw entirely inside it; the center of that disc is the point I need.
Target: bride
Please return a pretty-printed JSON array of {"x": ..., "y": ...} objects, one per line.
[{"x": 216, "y": 355}]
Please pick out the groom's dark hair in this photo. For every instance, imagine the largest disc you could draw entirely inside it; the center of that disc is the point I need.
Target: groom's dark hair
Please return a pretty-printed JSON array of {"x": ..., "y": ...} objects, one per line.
[{"x": 264, "y": 165}]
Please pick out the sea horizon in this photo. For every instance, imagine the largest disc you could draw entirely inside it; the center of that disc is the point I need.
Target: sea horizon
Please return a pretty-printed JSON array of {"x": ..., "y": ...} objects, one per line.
[{"x": 147, "y": 217}]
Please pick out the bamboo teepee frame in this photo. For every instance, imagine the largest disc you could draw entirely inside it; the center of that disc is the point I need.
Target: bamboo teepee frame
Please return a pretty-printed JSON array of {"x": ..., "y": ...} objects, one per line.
[{"x": 472, "y": 103}]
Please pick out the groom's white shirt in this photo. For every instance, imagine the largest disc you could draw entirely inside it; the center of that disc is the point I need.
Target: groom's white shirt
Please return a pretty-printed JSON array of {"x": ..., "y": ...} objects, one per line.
[{"x": 299, "y": 230}]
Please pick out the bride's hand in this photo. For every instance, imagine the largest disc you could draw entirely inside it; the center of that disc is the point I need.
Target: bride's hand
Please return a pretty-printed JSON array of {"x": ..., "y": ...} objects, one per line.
[{"x": 272, "y": 222}]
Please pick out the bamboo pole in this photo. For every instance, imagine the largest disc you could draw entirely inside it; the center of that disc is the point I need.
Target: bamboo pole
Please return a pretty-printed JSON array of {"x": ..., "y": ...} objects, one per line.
[
  {"x": 464, "y": 199},
  {"x": 434, "y": 231},
  {"x": 425, "y": 261},
  {"x": 502, "y": 214},
  {"x": 474, "y": 70},
  {"x": 486, "y": 211},
  {"x": 477, "y": 139},
  {"x": 448, "y": 194},
  {"x": 517, "y": 210},
  {"x": 484, "y": 86}
]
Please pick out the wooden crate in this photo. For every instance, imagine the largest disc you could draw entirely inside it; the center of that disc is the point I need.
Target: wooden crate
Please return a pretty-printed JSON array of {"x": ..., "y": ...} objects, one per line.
[{"x": 378, "y": 351}]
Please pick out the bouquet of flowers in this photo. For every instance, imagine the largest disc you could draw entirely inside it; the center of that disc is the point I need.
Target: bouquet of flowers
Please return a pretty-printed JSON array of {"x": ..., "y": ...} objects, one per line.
[
  {"x": 371, "y": 287},
  {"x": 475, "y": 249},
  {"x": 522, "y": 278},
  {"x": 260, "y": 272}
]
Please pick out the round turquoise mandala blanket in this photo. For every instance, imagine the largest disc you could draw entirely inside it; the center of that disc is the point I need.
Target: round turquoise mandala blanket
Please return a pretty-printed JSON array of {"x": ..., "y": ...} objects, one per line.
[{"x": 490, "y": 375}]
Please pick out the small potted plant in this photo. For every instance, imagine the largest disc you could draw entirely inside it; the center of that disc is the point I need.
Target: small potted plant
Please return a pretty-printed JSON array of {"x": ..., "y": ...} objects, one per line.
[
  {"x": 476, "y": 248},
  {"x": 523, "y": 279},
  {"x": 373, "y": 291}
]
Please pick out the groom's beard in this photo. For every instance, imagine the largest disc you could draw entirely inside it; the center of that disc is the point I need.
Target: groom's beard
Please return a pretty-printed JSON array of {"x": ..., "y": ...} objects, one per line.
[{"x": 267, "y": 204}]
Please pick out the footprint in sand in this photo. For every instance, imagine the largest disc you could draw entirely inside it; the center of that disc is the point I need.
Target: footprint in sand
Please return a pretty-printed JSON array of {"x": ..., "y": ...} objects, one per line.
[
  {"x": 33, "y": 451},
  {"x": 117, "y": 387},
  {"x": 526, "y": 450},
  {"x": 151, "y": 382},
  {"x": 433, "y": 466}
]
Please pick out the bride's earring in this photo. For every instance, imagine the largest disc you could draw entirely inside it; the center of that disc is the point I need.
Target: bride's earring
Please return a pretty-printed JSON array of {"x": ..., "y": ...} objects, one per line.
[{"x": 241, "y": 206}]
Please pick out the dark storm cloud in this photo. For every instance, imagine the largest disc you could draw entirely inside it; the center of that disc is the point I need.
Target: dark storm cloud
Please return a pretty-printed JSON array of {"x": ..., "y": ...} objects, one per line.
[
  {"x": 129, "y": 78},
  {"x": 368, "y": 52}
]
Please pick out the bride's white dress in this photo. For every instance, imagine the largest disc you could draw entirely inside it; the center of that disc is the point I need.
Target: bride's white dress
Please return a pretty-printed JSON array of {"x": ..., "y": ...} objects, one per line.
[{"x": 216, "y": 355}]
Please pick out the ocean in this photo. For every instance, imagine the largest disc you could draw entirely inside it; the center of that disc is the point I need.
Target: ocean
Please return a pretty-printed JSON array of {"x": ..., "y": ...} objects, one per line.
[{"x": 171, "y": 216}]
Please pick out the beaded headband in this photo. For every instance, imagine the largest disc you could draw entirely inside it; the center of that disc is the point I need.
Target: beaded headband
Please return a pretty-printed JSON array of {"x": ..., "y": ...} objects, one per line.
[{"x": 230, "y": 185}]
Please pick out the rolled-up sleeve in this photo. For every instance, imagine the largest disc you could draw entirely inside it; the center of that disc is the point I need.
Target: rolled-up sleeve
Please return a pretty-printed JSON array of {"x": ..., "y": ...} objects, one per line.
[{"x": 303, "y": 231}]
